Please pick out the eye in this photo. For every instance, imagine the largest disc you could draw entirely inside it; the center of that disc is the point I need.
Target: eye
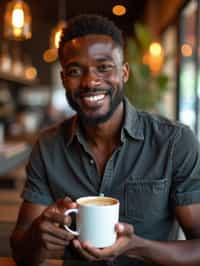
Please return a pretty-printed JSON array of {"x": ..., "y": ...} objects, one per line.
[
  {"x": 105, "y": 67},
  {"x": 73, "y": 71}
]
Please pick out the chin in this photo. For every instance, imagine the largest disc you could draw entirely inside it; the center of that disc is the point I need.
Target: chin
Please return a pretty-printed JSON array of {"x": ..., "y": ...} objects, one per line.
[{"x": 95, "y": 120}]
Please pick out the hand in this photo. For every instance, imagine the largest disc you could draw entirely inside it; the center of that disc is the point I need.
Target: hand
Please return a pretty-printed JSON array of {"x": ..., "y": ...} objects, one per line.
[
  {"x": 46, "y": 228},
  {"x": 125, "y": 235}
]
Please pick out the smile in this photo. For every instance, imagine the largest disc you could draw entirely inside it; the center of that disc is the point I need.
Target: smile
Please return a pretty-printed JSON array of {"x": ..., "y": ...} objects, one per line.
[{"x": 94, "y": 98}]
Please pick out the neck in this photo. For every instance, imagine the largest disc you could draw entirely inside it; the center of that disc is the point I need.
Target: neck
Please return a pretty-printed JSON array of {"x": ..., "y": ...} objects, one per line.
[{"x": 107, "y": 132}]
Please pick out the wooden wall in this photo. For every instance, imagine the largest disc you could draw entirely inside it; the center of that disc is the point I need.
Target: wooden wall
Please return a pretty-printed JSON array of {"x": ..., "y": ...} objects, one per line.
[{"x": 159, "y": 14}]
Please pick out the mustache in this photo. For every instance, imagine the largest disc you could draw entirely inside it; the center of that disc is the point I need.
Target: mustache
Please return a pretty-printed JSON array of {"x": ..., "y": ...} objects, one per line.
[{"x": 88, "y": 91}]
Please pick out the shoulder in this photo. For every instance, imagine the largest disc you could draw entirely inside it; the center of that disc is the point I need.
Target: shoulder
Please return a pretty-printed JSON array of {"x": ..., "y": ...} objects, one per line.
[
  {"x": 157, "y": 120},
  {"x": 163, "y": 127},
  {"x": 57, "y": 132}
]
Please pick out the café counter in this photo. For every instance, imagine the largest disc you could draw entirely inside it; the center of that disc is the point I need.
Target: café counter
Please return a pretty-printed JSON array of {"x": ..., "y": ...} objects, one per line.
[{"x": 12, "y": 155}]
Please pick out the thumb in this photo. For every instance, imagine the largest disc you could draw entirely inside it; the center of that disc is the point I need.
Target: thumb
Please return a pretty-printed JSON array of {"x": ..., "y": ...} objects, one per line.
[
  {"x": 65, "y": 203},
  {"x": 124, "y": 229}
]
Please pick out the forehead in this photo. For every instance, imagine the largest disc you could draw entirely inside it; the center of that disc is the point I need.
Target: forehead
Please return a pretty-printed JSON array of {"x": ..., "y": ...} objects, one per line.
[{"x": 91, "y": 46}]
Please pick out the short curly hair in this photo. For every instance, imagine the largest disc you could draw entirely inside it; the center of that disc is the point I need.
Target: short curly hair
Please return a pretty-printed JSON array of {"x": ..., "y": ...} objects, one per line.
[{"x": 90, "y": 24}]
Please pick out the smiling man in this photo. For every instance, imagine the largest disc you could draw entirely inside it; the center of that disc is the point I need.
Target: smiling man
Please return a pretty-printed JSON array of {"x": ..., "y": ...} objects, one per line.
[{"x": 152, "y": 165}]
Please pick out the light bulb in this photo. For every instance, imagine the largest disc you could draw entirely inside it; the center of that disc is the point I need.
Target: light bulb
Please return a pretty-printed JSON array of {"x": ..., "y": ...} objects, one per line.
[
  {"x": 119, "y": 10},
  {"x": 57, "y": 38},
  {"x": 18, "y": 18},
  {"x": 155, "y": 49},
  {"x": 56, "y": 34}
]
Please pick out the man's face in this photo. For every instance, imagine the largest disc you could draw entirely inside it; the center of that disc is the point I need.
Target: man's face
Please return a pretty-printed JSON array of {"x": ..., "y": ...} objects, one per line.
[{"x": 93, "y": 76}]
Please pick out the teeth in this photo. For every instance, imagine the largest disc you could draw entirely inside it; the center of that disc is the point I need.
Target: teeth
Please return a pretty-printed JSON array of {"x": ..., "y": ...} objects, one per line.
[{"x": 95, "y": 98}]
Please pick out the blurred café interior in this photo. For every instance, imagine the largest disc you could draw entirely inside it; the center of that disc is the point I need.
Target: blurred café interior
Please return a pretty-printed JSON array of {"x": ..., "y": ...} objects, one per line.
[{"x": 31, "y": 93}]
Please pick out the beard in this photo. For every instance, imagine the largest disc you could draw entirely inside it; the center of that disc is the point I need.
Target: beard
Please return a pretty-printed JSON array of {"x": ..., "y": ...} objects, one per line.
[{"x": 115, "y": 100}]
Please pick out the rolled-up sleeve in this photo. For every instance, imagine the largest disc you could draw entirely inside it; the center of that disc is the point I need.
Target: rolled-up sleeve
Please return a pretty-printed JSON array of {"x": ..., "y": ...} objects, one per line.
[
  {"x": 36, "y": 187},
  {"x": 186, "y": 168}
]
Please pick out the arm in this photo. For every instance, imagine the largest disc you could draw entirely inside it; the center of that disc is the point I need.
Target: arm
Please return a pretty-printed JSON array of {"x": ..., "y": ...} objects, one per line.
[
  {"x": 37, "y": 235},
  {"x": 177, "y": 252}
]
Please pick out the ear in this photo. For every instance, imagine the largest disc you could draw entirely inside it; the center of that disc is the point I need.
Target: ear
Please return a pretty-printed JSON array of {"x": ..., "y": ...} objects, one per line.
[{"x": 125, "y": 70}]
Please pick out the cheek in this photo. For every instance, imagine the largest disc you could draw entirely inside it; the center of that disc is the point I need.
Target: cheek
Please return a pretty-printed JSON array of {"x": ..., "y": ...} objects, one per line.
[
  {"x": 71, "y": 84},
  {"x": 115, "y": 81}
]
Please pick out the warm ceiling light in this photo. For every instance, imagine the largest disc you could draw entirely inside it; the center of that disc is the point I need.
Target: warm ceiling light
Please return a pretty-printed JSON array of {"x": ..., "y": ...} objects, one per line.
[
  {"x": 186, "y": 50},
  {"x": 155, "y": 49},
  {"x": 17, "y": 21},
  {"x": 155, "y": 57},
  {"x": 56, "y": 34},
  {"x": 119, "y": 10},
  {"x": 50, "y": 55},
  {"x": 31, "y": 73}
]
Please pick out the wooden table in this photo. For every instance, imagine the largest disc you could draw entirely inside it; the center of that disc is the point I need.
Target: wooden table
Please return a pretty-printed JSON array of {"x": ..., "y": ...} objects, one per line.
[{"x": 4, "y": 261}]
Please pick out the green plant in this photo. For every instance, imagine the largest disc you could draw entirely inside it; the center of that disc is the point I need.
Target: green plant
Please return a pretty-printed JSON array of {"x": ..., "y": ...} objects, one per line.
[{"x": 144, "y": 87}]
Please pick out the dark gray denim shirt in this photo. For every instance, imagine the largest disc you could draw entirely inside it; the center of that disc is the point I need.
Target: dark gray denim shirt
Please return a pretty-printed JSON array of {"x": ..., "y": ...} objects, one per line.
[{"x": 156, "y": 168}]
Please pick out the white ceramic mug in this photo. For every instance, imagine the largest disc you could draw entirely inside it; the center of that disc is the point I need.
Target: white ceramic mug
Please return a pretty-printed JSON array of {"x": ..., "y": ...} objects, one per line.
[{"x": 96, "y": 217}]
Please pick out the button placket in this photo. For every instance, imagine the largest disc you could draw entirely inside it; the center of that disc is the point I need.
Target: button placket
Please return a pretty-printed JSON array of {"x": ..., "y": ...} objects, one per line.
[
  {"x": 91, "y": 161},
  {"x": 107, "y": 178},
  {"x": 93, "y": 173}
]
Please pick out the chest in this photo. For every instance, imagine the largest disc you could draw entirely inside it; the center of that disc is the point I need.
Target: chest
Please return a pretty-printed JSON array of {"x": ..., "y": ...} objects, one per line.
[
  {"x": 108, "y": 170},
  {"x": 102, "y": 155},
  {"x": 128, "y": 175}
]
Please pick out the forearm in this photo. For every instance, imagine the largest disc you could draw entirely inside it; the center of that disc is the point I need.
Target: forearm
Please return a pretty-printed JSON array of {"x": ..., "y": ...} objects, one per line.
[
  {"x": 177, "y": 253},
  {"x": 26, "y": 249}
]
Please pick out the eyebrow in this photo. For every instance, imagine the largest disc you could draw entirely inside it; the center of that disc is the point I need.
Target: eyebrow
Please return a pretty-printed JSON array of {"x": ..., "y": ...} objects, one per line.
[
  {"x": 72, "y": 64},
  {"x": 103, "y": 59},
  {"x": 98, "y": 60}
]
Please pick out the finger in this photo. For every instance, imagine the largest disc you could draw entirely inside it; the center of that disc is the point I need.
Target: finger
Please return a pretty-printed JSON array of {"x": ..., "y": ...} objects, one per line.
[
  {"x": 119, "y": 247},
  {"x": 110, "y": 252},
  {"x": 96, "y": 252},
  {"x": 57, "y": 217},
  {"x": 66, "y": 203},
  {"x": 83, "y": 252},
  {"x": 55, "y": 231},
  {"x": 46, "y": 238},
  {"x": 53, "y": 247},
  {"x": 124, "y": 229}
]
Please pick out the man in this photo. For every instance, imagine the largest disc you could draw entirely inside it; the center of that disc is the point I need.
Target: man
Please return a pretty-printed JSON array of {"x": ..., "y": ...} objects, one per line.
[{"x": 150, "y": 164}]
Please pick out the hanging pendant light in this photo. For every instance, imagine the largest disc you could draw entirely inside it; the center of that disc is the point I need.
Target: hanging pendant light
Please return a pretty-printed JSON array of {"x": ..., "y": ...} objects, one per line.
[
  {"x": 56, "y": 34},
  {"x": 17, "y": 21},
  {"x": 51, "y": 54}
]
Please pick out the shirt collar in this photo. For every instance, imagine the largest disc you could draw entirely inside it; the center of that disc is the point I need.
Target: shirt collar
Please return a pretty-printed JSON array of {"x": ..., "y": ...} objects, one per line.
[
  {"x": 132, "y": 125},
  {"x": 70, "y": 129}
]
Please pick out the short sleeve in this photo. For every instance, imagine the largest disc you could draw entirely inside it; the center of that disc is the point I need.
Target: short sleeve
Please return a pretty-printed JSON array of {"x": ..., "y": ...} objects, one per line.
[
  {"x": 36, "y": 187},
  {"x": 186, "y": 168}
]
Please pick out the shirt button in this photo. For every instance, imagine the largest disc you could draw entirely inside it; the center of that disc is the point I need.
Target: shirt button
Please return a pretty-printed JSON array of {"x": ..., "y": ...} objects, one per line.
[{"x": 91, "y": 161}]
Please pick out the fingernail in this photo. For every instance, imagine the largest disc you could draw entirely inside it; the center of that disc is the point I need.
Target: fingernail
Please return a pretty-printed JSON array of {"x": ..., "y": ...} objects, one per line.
[{"x": 67, "y": 198}]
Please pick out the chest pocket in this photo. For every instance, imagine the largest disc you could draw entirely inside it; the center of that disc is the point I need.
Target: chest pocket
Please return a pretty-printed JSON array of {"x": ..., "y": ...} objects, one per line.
[{"x": 146, "y": 199}]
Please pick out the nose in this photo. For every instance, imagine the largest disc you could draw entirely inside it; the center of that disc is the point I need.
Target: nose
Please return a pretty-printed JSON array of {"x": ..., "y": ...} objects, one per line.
[{"x": 90, "y": 79}]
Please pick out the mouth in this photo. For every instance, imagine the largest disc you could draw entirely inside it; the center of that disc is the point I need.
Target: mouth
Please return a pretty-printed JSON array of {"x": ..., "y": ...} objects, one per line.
[{"x": 93, "y": 100}]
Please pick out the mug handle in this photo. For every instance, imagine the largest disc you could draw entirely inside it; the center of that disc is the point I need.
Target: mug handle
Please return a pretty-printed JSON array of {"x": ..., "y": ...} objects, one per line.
[{"x": 67, "y": 212}]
